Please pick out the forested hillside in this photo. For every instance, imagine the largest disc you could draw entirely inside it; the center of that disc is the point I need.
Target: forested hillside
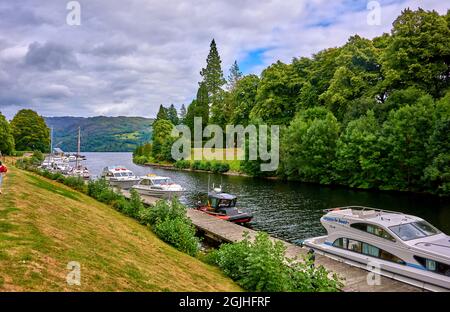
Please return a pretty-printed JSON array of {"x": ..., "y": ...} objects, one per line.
[{"x": 100, "y": 134}]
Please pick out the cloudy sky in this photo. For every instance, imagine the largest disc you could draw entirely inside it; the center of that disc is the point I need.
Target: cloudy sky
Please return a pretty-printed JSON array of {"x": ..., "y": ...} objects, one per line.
[{"x": 127, "y": 57}]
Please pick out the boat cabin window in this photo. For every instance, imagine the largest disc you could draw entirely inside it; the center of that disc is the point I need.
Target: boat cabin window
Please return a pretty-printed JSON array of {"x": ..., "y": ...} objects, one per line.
[
  {"x": 434, "y": 266},
  {"x": 373, "y": 229},
  {"x": 160, "y": 181},
  {"x": 145, "y": 182},
  {"x": 366, "y": 249},
  {"x": 222, "y": 203},
  {"x": 414, "y": 230}
]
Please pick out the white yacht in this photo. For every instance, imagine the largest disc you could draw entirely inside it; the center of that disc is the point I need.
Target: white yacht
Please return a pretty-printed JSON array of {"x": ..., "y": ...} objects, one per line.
[
  {"x": 403, "y": 247},
  {"x": 156, "y": 186},
  {"x": 120, "y": 176},
  {"x": 80, "y": 171}
]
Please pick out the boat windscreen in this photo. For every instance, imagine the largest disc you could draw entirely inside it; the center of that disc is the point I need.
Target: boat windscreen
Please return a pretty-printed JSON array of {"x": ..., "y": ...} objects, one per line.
[{"x": 414, "y": 230}]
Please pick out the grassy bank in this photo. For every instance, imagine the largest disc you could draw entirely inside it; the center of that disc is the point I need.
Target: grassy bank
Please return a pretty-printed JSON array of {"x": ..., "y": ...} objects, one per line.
[{"x": 45, "y": 225}]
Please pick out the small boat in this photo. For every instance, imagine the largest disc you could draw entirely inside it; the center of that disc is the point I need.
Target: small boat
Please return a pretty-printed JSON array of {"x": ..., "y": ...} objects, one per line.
[
  {"x": 157, "y": 186},
  {"x": 80, "y": 171},
  {"x": 72, "y": 158},
  {"x": 401, "y": 246},
  {"x": 119, "y": 176},
  {"x": 223, "y": 206}
]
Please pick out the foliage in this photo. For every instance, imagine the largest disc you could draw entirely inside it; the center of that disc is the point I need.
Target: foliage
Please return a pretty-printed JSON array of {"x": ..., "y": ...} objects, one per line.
[
  {"x": 310, "y": 145},
  {"x": 261, "y": 265},
  {"x": 30, "y": 131},
  {"x": 7, "y": 138},
  {"x": 162, "y": 139},
  {"x": 234, "y": 76},
  {"x": 172, "y": 115},
  {"x": 357, "y": 153},
  {"x": 170, "y": 223}
]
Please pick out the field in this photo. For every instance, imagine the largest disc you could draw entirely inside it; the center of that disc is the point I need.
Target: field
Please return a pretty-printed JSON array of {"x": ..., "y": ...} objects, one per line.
[{"x": 45, "y": 225}]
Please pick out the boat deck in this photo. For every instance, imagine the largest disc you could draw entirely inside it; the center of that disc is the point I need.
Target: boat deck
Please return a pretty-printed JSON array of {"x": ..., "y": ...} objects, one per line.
[{"x": 355, "y": 279}]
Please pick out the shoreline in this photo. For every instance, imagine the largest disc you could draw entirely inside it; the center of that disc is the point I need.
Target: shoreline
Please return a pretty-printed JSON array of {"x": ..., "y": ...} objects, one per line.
[{"x": 280, "y": 179}]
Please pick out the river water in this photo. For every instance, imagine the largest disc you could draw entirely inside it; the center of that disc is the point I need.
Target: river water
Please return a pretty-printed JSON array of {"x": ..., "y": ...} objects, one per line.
[{"x": 287, "y": 210}]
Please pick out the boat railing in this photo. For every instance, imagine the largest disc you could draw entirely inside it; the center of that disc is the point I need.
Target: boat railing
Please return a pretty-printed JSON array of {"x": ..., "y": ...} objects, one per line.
[{"x": 360, "y": 208}]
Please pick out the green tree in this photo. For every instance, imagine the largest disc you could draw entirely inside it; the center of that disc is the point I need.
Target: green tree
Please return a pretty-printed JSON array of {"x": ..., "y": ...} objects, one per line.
[
  {"x": 7, "y": 138},
  {"x": 243, "y": 99},
  {"x": 309, "y": 146},
  {"x": 172, "y": 115},
  {"x": 213, "y": 81},
  {"x": 277, "y": 94},
  {"x": 30, "y": 131},
  {"x": 419, "y": 52},
  {"x": 183, "y": 113},
  {"x": 357, "y": 161},
  {"x": 162, "y": 130},
  {"x": 234, "y": 76},
  {"x": 437, "y": 173},
  {"x": 403, "y": 141},
  {"x": 162, "y": 113},
  {"x": 213, "y": 74}
]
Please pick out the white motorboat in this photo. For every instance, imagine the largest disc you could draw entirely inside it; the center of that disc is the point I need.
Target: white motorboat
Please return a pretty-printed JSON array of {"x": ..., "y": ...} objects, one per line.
[
  {"x": 119, "y": 176},
  {"x": 402, "y": 247},
  {"x": 80, "y": 171},
  {"x": 157, "y": 186}
]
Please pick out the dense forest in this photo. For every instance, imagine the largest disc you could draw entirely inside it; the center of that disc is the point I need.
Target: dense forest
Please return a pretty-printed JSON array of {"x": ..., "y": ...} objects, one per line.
[
  {"x": 369, "y": 114},
  {"x": 100, "y": 134}
]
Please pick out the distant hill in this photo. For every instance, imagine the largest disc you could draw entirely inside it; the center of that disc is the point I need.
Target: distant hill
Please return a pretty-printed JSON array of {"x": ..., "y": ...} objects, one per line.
[{"x": 100, "y": 134}]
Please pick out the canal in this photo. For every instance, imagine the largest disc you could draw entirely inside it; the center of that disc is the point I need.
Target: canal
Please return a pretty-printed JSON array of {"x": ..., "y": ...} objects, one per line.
[{"x": 287, "y": 210}]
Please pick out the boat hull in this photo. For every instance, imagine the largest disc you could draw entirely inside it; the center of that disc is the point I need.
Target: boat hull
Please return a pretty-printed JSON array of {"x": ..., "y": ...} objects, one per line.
[
  {"x": 158, "y": 193},
  {"x": 242, "y": 218},
  {"x": 123, "y": 184}
]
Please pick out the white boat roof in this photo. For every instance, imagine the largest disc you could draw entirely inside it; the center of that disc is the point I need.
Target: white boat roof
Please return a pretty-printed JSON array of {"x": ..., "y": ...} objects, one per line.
[
  {"x": 378, "y": 216},
  {"x": 116, "y": 168},
  {"x": 151, "y": 177}
]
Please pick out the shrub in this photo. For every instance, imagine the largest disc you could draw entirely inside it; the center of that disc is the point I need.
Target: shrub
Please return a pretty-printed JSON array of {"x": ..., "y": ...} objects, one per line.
[
  {"x": 101, "y": 191},
  {"x": 196, "y": 165},
  {"x": 140, "y": 160},
  {"x": 75, "y": 183},
  {"x": 219, "y": 167},
  {"x": 205, "y": 165},
  {"x": 261, "y": 265},
  {"x": 183, "y": 164},
  {"x": 178, "y": 233}
]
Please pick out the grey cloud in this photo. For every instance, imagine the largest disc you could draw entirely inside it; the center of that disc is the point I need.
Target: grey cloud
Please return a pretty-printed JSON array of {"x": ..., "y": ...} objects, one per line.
[{"x": 50, "y": 56}]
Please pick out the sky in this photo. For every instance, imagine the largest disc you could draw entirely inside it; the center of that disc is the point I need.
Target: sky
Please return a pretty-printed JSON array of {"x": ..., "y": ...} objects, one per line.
[{"x": 125, "y": 58}]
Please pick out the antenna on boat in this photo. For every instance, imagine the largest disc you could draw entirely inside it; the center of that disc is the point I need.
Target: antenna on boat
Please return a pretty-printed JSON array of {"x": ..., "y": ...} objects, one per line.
[
  {"x": 209, "y": 178},
  {"x": 79, "y": 143}
]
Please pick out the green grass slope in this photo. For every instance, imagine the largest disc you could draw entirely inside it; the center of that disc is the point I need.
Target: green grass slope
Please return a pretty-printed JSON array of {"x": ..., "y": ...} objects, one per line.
[{"x": 45, "y": 225}]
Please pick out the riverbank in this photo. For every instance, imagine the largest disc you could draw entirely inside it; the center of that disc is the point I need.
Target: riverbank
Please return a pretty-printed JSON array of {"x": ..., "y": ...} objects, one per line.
[
  {"x": 45, "y": 225},
  {"x": 168, "y": 166}
]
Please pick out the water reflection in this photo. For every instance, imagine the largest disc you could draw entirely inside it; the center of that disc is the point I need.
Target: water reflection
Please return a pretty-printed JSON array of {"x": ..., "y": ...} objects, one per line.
[{"x": 287, "y": 210}]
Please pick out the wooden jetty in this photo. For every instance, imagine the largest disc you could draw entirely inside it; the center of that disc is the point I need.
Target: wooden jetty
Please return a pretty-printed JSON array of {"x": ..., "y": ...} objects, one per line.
[{"x": 354, "y": 278}]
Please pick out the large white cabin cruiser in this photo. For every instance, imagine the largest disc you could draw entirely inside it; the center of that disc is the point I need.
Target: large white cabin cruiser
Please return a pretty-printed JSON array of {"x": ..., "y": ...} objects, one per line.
[
  {"x": 402, "y": 247},
  {"x": 156, "y": 186},
  {"x": 120, "y": 176}
]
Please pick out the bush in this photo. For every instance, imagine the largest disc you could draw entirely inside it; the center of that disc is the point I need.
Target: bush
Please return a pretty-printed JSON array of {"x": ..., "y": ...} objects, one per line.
[
  {"x": 183, "y": 164},
  {"x": 76, "y": 183},
  {"x": 218, "y": 167},
  {"x": 140, "y": 160},
  {"x": 101, "y": 191},
  {"x": 261, "y": 265},
  {"x": 196, "y": 165},
  {"x": 178, "y": 233},
  {"x": 205, "y": 165},
  {"x": 170, "y": 223}
]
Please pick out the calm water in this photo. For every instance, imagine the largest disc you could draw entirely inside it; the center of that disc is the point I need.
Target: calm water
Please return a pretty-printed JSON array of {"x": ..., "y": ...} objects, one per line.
[{"x": 288, "y": 210}]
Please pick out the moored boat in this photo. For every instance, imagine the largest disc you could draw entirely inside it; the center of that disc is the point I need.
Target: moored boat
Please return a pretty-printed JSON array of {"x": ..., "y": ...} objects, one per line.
[
  {"x": 223, "y": 206},
  {"x": 119, "y": 176},
  {"x": 400, "y": 246},
  {"x": 157, "y": 186}
]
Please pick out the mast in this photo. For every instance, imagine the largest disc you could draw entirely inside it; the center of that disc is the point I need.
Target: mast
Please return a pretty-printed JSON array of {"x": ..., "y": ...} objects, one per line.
[
  {"x": 79, "y": 143},
  {"x": 51, "y": 141}
]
